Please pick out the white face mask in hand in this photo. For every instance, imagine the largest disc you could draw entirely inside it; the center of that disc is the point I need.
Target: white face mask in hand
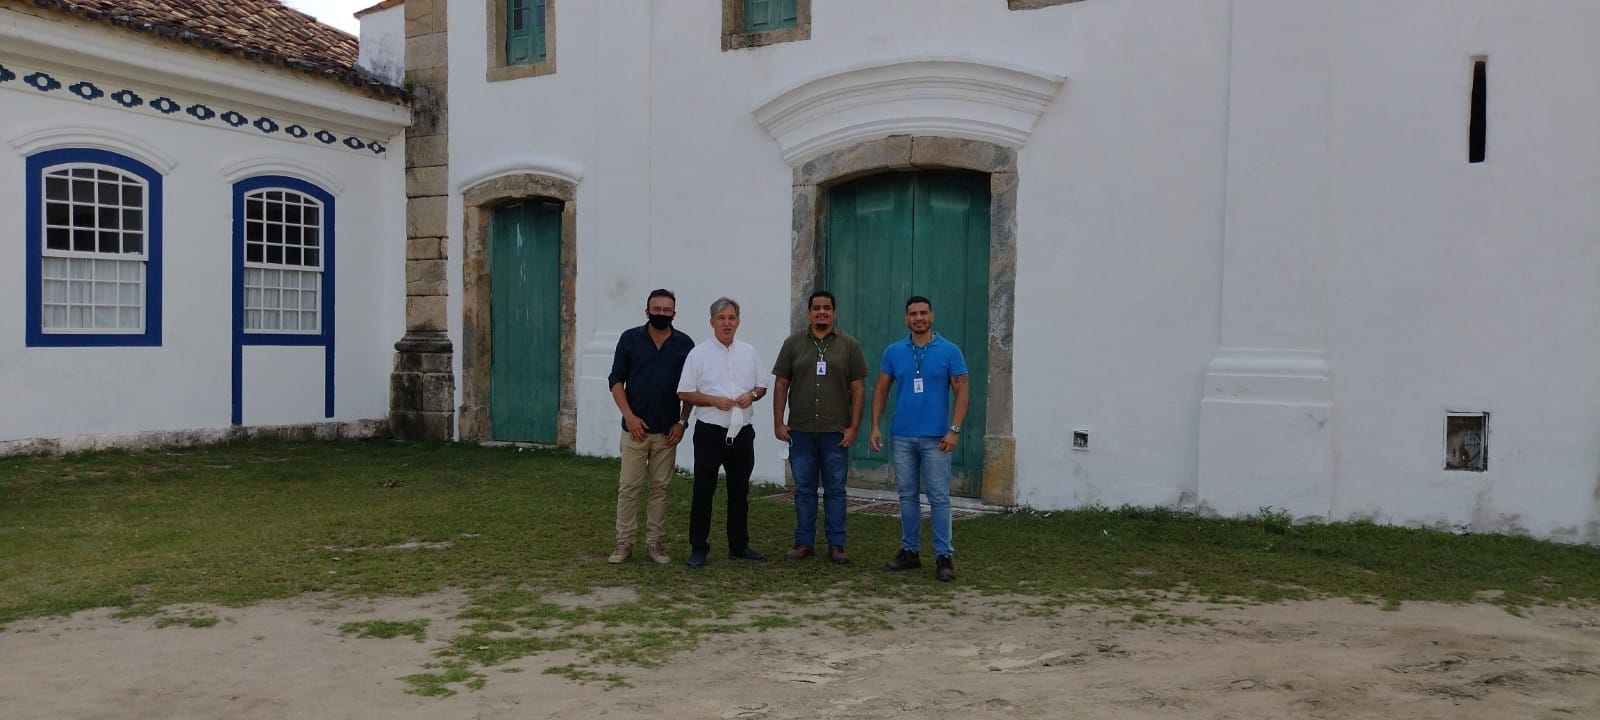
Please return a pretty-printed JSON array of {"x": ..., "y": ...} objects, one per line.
[{"x": 736, "y": 422}]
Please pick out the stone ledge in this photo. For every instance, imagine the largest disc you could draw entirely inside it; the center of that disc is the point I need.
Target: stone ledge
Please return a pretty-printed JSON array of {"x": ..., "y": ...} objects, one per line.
[{"x": 158, "y": 439}]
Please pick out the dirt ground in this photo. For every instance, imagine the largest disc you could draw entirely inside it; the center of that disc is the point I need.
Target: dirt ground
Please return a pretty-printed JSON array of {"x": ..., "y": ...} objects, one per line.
[{"x": 1326, "y": 659}]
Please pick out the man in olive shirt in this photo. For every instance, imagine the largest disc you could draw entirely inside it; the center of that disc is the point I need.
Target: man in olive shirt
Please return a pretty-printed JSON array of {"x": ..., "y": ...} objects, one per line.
[{"x": 821, "y": 380}]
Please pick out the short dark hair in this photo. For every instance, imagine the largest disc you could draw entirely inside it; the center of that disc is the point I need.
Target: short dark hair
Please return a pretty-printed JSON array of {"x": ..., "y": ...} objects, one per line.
[
  {"x": 821, "y": 293},
  {"x": 661, "y": 292},
  {"x": 918, "y": 299}
]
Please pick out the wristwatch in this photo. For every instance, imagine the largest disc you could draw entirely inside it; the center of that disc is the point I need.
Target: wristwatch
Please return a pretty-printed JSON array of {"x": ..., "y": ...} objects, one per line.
[
  {"x": 685, "y": 423},
  {"x": 955, "y": 429}
]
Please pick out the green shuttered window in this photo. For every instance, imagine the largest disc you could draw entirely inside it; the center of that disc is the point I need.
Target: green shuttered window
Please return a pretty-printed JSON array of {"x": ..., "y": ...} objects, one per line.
[
  {"x": 525, "y": 31},
  {"x": 765, "y": 15}
]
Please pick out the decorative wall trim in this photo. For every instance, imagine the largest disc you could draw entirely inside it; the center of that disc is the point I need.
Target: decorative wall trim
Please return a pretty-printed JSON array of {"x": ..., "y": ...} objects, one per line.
[
  {"x": 270, "y": 165},
  {"x": 88, "y": 136},
  {"x": 175, "y": 106},
  {"x": 548, "y": 167},
  {"x": 953, "y": 98}
]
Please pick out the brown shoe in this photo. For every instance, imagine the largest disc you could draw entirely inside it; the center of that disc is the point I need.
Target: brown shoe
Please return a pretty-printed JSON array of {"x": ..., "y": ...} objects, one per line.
[
  {"x": 946, "y": 568},
  {"x": 837, "y": 555},
  {"x": 658, "y": 553},
  {"x": 800, "y": 552},
  {"x": 904, "y": 560},
  {"x": 621, "y": 554}
]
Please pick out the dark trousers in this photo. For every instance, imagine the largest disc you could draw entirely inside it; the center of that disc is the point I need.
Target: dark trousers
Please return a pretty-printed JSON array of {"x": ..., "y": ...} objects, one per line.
[{"x": 711, "y": 452}]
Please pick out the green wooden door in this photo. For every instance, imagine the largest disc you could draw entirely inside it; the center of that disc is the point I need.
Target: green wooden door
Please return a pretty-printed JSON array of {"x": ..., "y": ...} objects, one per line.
[
  {"x": 888, "y": 237},
  {"x": 525, "y": 321}
]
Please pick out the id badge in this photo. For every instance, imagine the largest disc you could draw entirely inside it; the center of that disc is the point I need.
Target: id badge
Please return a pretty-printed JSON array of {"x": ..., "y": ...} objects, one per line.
[
  {"x": 916, "y": 385},
  {"x": 822, "y": 368}
]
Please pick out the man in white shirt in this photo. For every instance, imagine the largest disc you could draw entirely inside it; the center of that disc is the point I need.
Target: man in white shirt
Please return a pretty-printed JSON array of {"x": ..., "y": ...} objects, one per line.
[{"x": 721, "y": 380}]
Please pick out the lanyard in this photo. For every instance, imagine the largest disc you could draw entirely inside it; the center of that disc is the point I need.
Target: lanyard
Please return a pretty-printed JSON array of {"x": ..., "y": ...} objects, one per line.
[
  {"x": 822, "y": 348},
  {"x": 916, "y": 357}
]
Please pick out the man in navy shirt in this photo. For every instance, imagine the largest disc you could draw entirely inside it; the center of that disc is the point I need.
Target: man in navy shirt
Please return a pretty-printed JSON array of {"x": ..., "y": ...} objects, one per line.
[
  {"x": 925, "y": 370},
  {"x": 644, "y": 384}
]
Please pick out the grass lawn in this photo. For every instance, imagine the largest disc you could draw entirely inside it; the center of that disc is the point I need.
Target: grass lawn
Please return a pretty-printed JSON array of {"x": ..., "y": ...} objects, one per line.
[{"x": 237, "y": 523}]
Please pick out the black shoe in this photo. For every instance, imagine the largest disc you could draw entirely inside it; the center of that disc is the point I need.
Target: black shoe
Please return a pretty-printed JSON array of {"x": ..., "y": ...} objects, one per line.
[
  {"x": 946, "y": 568},
  {"x": 837, "y": 555},
  {"x": 746, "y": 554},
  {"x": 697, "y": 559},
  {"x": 904, "y": 560}
]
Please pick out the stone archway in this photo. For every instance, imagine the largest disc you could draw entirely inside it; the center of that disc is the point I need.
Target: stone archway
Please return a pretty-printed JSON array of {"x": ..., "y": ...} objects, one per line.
[
  {"x": 478, "y": 204},
  {"x": 904, "y": 152}
]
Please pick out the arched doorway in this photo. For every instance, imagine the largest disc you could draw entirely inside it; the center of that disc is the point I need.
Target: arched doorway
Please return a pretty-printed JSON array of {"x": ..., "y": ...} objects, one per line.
[
  {"x": 518, "y": 330},
  {"x": 889, "y": 236},
  {"x": 984, "y": 163}
]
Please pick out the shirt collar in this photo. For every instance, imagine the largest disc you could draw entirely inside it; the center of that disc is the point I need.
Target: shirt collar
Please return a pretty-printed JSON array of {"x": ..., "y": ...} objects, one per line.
[{"x": 931, "y": 341}]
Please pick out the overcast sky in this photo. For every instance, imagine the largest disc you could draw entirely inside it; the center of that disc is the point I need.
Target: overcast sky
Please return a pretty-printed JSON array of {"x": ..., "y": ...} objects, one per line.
[{"x": 338, "y": 13}]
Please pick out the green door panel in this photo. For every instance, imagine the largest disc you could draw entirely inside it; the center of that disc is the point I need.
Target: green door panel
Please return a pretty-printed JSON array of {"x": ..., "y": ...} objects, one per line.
[
  {"x": 888, "y": 237},
  {"x": 525, "y": 321}
]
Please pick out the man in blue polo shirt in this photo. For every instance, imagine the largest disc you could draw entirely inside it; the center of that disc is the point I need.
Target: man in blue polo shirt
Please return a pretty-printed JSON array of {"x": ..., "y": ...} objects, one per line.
[{"x": 925, "y": 370}]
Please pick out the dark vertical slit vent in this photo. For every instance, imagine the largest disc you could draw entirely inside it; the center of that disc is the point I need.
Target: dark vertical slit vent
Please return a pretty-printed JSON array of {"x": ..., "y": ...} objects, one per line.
[{"x": 1478, "y": 130}]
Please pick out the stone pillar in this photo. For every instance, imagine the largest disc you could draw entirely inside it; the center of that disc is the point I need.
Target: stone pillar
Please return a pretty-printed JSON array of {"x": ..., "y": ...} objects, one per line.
[
  {"x": 422, "y": 386},
  {"x": 1266, "y": 434}
]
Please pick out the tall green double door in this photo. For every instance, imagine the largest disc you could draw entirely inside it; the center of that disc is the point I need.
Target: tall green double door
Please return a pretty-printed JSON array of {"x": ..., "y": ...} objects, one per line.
[{"x": 886, "y": 238}]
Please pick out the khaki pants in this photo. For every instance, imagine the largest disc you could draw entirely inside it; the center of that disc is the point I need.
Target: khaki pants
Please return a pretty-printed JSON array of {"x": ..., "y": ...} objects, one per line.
[{"x": 650, "y": 461}]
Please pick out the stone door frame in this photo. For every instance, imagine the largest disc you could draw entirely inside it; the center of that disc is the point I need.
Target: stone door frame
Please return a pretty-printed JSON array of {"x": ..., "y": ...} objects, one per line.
[
  {"x": 905, "y": 152},
  {"x": 478, "y": 205}
]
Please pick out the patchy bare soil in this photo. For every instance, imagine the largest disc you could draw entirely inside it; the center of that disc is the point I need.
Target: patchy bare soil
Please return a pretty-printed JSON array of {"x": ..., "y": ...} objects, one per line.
[{"x": 1326, "y": 659}]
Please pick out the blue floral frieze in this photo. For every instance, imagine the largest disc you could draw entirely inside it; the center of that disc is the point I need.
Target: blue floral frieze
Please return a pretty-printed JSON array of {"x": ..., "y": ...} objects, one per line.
[
  {"x": 86, "y": 90},
  {"x": 42, "y": 82},
  {"x": 129, "y": 99}
]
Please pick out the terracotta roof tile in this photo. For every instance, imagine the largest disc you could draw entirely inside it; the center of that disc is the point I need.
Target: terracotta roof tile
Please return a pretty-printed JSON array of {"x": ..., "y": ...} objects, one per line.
[{"x": 262, "y": 31}]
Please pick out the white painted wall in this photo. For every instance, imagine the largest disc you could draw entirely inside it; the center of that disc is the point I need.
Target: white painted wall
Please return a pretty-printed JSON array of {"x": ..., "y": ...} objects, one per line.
[
  {"x": 1161, "y": 174},
  {"x": 63, "y": 393},
  {"x": 383, "y": 44}
]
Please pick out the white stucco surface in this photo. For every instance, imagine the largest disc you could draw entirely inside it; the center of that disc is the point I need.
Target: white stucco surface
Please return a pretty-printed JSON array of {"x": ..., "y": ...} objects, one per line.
[
  {"x": 1253, "y": 260},
  {"x": 185, "y": 383}
]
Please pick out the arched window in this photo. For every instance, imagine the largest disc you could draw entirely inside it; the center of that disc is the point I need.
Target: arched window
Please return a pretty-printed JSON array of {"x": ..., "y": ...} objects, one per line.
[
  {"x": 94, "y": 249},
  {"x": 284, "y": 246}
]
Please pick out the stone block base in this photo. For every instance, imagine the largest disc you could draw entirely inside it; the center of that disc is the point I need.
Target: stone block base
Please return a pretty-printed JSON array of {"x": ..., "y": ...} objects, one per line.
[{"x": 422, "y": 388}]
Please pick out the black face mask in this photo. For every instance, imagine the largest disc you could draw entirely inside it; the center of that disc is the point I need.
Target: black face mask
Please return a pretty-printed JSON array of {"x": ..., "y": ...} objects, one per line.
[{"x": 660, "y": 322}]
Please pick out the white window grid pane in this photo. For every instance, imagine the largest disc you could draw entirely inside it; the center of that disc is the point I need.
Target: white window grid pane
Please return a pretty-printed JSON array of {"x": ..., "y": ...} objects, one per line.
[
  {"x": 279, "y": 220},
  {"x": 282, "y": 300},
  {"x": 84, "y": 195},
  {"x": 92, "y": 295},
  {"x": 98, "y": 286}
]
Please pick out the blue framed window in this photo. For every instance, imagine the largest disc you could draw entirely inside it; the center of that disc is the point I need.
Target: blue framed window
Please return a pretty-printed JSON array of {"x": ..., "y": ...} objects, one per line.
[
  {"x": 525, "y": 31},
  {"x": 283, "y": 289},
  {"x": 93, "y": 257}
]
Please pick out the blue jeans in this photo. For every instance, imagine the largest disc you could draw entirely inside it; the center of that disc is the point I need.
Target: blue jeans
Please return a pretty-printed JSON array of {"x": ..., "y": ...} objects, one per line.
[
  {"x": 814, "y": 454},
  {"x": 919, "y": 464}
]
